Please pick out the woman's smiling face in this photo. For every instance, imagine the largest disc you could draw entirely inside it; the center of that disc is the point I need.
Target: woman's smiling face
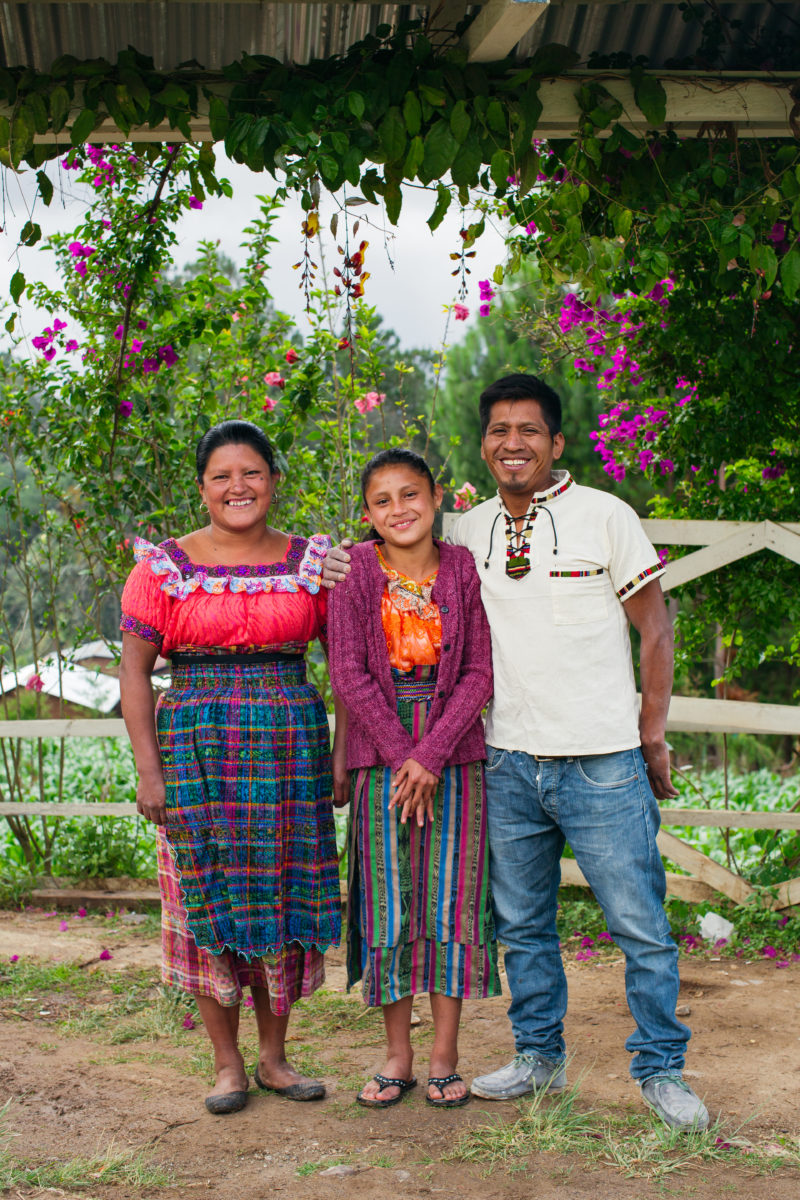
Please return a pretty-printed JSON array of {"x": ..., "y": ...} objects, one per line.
[
  {"x": 237, "y": 487},
  {"x": 401, "y": 505}
]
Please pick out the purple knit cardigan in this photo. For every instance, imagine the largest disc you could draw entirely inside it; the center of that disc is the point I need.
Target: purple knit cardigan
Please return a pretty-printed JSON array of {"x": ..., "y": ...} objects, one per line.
[{"x": 361, "y": 674}]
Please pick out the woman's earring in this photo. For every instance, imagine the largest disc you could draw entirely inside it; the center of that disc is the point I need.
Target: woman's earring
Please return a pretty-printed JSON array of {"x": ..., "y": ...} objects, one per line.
[
  {"x": 203, "y": 506},
  {"x": 275, "y": 499}
]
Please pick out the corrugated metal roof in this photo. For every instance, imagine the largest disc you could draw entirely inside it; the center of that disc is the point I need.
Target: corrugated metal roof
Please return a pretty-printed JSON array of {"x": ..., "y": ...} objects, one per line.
[{"x": 214, "y": 34}]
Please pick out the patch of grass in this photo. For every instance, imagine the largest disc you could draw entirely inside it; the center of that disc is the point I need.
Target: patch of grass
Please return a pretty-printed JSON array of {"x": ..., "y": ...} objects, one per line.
[
  {"x": 546, "y": 1123},
  {"x": 637, "y": 1146},
  {"x": 112, "y": 1165},
  {"x": 327, "y": 1012},
  {"x": 311, "y": 1168},
  {"x": 141, "y": 1013}
]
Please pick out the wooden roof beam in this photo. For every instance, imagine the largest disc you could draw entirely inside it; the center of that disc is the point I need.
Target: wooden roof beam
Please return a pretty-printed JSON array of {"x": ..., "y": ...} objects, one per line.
[{"x": 499, "y": 26}]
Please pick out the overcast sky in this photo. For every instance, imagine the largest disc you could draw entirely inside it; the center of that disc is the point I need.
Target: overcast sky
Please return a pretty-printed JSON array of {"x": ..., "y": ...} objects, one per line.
[{"x": 410, "y": 275}]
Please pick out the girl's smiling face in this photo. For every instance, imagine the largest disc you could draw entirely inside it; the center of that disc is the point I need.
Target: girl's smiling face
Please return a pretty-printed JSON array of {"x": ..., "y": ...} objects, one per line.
[{"x": 401, "y": 506}]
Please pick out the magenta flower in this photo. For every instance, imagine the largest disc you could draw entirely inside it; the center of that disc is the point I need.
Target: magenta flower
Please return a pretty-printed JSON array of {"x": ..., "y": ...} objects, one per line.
[
  {"x": 119, "y": 332},
  {"x": 188, "y": 1023},
  {"x": 34, "y": 684},
  {"x": 769, "y": 952},
  {"x": 274, "y": 379},
  {"x": 605, "y": 936},
  {"x": 587, "y": 941},
  {"x": 369, "y": 401},
  {"x": 81, "y": 269},
  {"x": 150, "y": 365},
  {"x": 461, "y": 312},
  {"x": 105, "y": 955},
  {"x": 167, "y": 355},
  {"x": 269, "y": 404},
  {"x": 141, "y": 324},
  {"x": 49, "y": 353},
  {"x": 136, "y": 345},
  {"x": 194, "y": 202},
  {"x": 71, "y": 346},
  {"x": 125, "y": 408},
  {"x": 465, "y": 496},
  {"x": 530, "y": 228},
  {"x": 63, "y": 926},
  {"x": 14, "y": 958},
  {"x": 249, "y": 1002},
  {"x": 81, "y": 912},
  {"x": 292, "y": 356}
]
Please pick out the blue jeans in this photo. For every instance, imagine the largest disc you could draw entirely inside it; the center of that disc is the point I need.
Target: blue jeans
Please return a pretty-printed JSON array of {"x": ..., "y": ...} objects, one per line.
[{"x": 604, "y": 807}]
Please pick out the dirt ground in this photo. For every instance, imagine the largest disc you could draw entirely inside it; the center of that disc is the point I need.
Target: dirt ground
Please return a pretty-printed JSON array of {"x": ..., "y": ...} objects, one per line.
[{"x": 73, "y": 1095}]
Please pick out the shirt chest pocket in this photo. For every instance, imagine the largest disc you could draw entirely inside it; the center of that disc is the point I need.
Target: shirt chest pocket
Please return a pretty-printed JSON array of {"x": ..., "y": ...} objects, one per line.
[{"x": 579, "y": 597}]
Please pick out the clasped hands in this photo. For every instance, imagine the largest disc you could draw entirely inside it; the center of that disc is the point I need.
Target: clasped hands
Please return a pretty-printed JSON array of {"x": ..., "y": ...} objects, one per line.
[{"x": 413, "y": 788}]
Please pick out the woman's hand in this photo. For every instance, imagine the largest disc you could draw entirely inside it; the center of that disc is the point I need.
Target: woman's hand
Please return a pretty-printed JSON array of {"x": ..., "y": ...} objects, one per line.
[
  {"x": 336, "y": 566},
  {"x": 414, "y": 788},
  {"x": 151, "y": 799},
  {"x": 341, "y": 775}
]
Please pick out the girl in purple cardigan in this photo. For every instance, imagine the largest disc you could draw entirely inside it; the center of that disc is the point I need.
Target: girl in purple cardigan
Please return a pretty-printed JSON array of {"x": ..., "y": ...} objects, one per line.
[{"x": 410, "y": 657}]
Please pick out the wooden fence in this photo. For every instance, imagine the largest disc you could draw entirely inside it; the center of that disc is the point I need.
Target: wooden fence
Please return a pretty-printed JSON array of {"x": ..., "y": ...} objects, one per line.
[{"x": 721, "y": 542}]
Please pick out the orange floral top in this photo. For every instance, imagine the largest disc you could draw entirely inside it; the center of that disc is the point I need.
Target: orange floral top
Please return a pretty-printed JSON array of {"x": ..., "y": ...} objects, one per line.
[{"x": 411, "y": 621}]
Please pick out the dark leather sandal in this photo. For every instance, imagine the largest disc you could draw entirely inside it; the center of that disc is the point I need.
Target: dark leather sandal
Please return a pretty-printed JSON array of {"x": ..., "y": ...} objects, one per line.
[
  {"x": 441, "y": 1082},
  {"x": 305, "y": 1089},
  {"x": 405, "y": 1085}
]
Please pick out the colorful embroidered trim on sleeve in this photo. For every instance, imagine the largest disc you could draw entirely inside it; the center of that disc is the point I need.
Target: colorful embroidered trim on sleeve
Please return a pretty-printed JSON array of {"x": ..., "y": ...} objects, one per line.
[
  {"x": 138, "y": 628},
  {"x": 301, "y": 568},
  {"x": 576, "y": 574},
  {"x": 657, "y": 569}
]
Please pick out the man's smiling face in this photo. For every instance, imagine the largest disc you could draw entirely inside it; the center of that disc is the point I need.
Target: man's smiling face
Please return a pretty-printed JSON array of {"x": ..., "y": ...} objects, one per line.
[{"x": 519, "y": 449}]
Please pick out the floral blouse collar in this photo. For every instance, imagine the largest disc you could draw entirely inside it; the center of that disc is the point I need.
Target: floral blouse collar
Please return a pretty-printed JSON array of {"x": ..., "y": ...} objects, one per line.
[
  {"x": 407, "y": 595},
  {"x": 301, "y": 568}
]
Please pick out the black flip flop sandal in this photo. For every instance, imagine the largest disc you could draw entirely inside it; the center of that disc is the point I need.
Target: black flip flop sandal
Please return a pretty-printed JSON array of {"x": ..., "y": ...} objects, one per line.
[
  {"x": 441, "y": 1083},
  {"x": 405, "y": 1085}
]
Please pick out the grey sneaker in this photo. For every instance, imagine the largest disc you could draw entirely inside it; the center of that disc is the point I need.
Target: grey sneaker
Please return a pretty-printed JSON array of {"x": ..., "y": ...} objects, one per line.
[
  {"x": 529, "y": 1072},
  {"x": 675, "y": 1102}
]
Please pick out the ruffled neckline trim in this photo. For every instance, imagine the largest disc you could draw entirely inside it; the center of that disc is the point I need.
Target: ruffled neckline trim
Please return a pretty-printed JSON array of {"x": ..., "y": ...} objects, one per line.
[{"x": 300, "y": 568}]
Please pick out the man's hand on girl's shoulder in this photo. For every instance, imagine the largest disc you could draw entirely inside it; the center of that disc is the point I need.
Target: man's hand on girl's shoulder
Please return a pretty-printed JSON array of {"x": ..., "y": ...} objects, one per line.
[{"x": 336, "y": 566}]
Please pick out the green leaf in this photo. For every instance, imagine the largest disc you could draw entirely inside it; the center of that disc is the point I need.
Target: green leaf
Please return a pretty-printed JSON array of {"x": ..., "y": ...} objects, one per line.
[
  {"x": 440, "y": 151},
  {"x": 393, "y": 198},
  {"x": 172, "y": 96},
  {"x": 5, "y": 132},
  {"x": 31, "y": 233},
  {"x": 414, "y": 158},
  {"x": 500, "y": 168},
  {"x": 496, "y": 117},
  {"x": 412, "y": 114},
  {"x": 790, "y": 273},
  {"x": 392, "y": 133},
  {"x": 219, "y": 118},
  {"x": 17, "y": 286},
  {"x": 650, "y": 97},
  {"x": 622, "y": 219},
  {"x": 38, "y": 110},
  {"x": 467, "y": 163},
  {"x": 443, "y": 198},
  {"x": 59, "y": 108},
  {"x": 137, "y": 88},
  {"x": 115, "y": 110},
  {"x": 10, "y": 323},
  {"x": 763, "y": 259},
  {"x": 21, "y": 139},
  {"x": 357, "y": 104},
  {"x": 553, "y": 59},
  {"x": 720, "y": 176},
  {"x": 460, "y": 121},
  {"x": 8, "y": 86},
  {"x": 435, "y": 96},
  {"x": 82, "y": 126}
]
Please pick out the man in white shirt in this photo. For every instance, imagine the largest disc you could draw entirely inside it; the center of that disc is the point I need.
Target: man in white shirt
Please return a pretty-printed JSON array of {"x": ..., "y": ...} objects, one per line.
[{"x": 570, "y": 758}]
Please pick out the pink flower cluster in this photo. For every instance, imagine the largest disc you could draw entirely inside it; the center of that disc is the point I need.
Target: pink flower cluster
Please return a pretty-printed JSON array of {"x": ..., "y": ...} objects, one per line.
[
  {"x": 486, "y": 293},
  {"x": 461, "y": 312},
  {"x": 465, "y": 497},
  {"x": 369, "y": 401},
  {"x": 45, "y": 341},
  {"x": 81, "y": 251}
]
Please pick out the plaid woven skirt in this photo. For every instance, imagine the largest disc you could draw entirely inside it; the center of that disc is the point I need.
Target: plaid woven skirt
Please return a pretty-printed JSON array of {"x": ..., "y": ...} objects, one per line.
[
  {"x": 289, "y": 974},
  {"x": 419, "y": 906},
  {"x": 245, "y": 749}
]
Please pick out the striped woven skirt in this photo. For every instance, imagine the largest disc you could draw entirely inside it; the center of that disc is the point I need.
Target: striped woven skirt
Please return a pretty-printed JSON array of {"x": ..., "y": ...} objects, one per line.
[
  {"x": 419, "y": 906},
  {"x": 245, "y": 749}
]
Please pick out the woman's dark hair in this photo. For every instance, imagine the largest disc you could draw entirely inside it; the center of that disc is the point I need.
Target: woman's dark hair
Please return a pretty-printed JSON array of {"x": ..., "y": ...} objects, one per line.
[
  {"x": 521, "y": 387},
  {"x": 233, "y": 433},
  {"x": 395, "y": 457}
]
